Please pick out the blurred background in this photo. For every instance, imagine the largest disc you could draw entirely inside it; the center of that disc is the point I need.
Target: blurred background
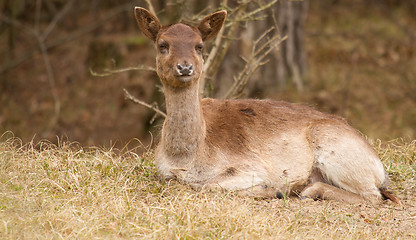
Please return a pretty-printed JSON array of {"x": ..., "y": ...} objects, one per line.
[{"x": 356, "y": 59}]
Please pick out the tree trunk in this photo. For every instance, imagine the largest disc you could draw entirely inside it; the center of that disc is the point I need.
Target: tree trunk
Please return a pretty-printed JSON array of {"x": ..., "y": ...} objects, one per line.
[
  {"x": 287, "y": 64},
  {"x": 292, "y": 56}
]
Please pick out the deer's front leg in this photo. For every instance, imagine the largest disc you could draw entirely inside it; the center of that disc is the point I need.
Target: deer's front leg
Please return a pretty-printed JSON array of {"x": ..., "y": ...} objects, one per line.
[{"x": 243, "y": 186}]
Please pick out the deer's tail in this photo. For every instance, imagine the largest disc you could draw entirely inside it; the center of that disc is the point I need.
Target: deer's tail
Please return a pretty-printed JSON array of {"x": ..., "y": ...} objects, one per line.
[{"x": 389, "y": 195}]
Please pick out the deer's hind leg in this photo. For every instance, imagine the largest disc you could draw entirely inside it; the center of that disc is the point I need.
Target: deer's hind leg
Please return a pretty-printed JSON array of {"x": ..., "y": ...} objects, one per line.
[
  {"x": 320, "y": 190},
  {"x": 346, "y": 168},
  {"x": 245, "y": 183}
]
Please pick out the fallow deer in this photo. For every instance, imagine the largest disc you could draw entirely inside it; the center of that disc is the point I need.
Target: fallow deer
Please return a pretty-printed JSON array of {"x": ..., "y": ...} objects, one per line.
[{"x": 263, "y": 148}]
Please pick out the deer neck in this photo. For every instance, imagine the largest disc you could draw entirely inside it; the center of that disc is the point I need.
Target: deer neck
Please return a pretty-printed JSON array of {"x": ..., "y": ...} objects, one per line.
[{"x": 184, "y": 128}]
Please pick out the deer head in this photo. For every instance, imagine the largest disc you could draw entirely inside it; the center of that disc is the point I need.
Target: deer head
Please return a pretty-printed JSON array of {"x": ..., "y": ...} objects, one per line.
[{"x": 179, "y": 60}]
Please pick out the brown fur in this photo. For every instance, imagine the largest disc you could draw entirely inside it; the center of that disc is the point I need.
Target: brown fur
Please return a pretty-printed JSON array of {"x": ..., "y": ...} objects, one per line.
[
  {"x": 230, "y": 122},
  {"x": 263, "y": 148}
]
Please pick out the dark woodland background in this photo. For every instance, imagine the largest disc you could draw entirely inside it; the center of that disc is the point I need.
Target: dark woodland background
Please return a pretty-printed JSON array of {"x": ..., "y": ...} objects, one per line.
[{"x": 353, "y": 58}]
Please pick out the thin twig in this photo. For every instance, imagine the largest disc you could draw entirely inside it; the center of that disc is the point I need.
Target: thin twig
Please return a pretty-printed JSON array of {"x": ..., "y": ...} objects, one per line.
[
  {"x": 56, "y": 19},
  {"x": 109, "y": 72},
  {"x": 59, "y": 41},
  {"x": 137, "y": 101},
  {"x": 212, "y": 54},
  {"x": 41, "y": 37},
  {"x": 51, "y": 80},
  {"x": 226, "y": 37},
  {"x": 255, "y": 60},
  {"x": 257, "y": 10},
  {"x": 222, "y": 44},
  {"x": 150, "y": 6},
  {"x": 266, "y": 44},
  {"x": 44, "y": 51}
]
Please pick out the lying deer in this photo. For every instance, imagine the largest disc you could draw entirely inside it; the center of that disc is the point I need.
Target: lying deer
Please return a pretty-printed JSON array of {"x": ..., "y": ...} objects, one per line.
[{"x": 263, "y": 148}]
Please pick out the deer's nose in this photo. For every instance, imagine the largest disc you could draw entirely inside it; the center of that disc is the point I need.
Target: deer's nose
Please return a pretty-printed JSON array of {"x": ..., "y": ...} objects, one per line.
[{"x": 184, "y": 70}]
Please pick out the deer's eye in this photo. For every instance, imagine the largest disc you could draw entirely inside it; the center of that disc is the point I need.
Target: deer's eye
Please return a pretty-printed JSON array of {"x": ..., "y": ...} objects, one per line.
[
  {"x": 163, "y": 47},
  {"x": 199, "y": 48}
]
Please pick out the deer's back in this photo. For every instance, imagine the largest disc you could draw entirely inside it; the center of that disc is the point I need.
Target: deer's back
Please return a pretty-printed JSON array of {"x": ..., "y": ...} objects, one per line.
[{"x": 238, "y": 124}]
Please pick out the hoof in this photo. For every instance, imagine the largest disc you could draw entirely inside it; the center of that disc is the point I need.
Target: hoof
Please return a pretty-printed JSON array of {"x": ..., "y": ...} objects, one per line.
[{"x": 279, "y": 195}]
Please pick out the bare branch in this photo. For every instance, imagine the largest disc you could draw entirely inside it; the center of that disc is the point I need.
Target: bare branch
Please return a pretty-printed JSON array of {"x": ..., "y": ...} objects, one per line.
[
  {"x": 51, "y": 80},
  {"x": 44, "y": 51},
  {"x": 41, "y": 37},
  {"x": 59, "y": 41},
  {"x": 109, "y": 72},
  {"x": 257, "y": 10},
  {"x": 56, "y": 19},
  {"x": 151, "y": 8},
  {"x": 221, "y": 47},
  {"x": 253, "y": 62},
  {"x": 137, "y": 101},
  {"x": 227, "y": 35},
  {"x": 209, "y": 62}
]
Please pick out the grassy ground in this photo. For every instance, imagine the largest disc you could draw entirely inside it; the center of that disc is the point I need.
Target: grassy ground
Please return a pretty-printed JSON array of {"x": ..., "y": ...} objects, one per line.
[{"x": 52, "y": 191}]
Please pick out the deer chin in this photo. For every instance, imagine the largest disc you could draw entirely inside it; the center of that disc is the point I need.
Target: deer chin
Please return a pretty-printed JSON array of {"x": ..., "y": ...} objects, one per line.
[
  {"x": 185, "y": 78},
  {"x": 183, "y": 81},
  {"x": 180, "y": 81}
]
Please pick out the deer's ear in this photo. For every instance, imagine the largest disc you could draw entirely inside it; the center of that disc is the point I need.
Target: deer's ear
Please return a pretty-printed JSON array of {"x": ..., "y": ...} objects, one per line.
[
  {"x": 148, "y": 23},
  {"x": 211, "y": 25}
]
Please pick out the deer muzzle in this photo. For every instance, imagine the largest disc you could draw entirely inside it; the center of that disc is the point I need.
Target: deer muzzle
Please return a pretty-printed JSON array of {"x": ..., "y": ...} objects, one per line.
[{"x": 184, "y": 70}]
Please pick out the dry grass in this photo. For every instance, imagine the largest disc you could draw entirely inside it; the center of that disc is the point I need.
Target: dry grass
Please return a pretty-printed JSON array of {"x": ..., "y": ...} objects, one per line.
[{"x": 65, "y": 191}]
